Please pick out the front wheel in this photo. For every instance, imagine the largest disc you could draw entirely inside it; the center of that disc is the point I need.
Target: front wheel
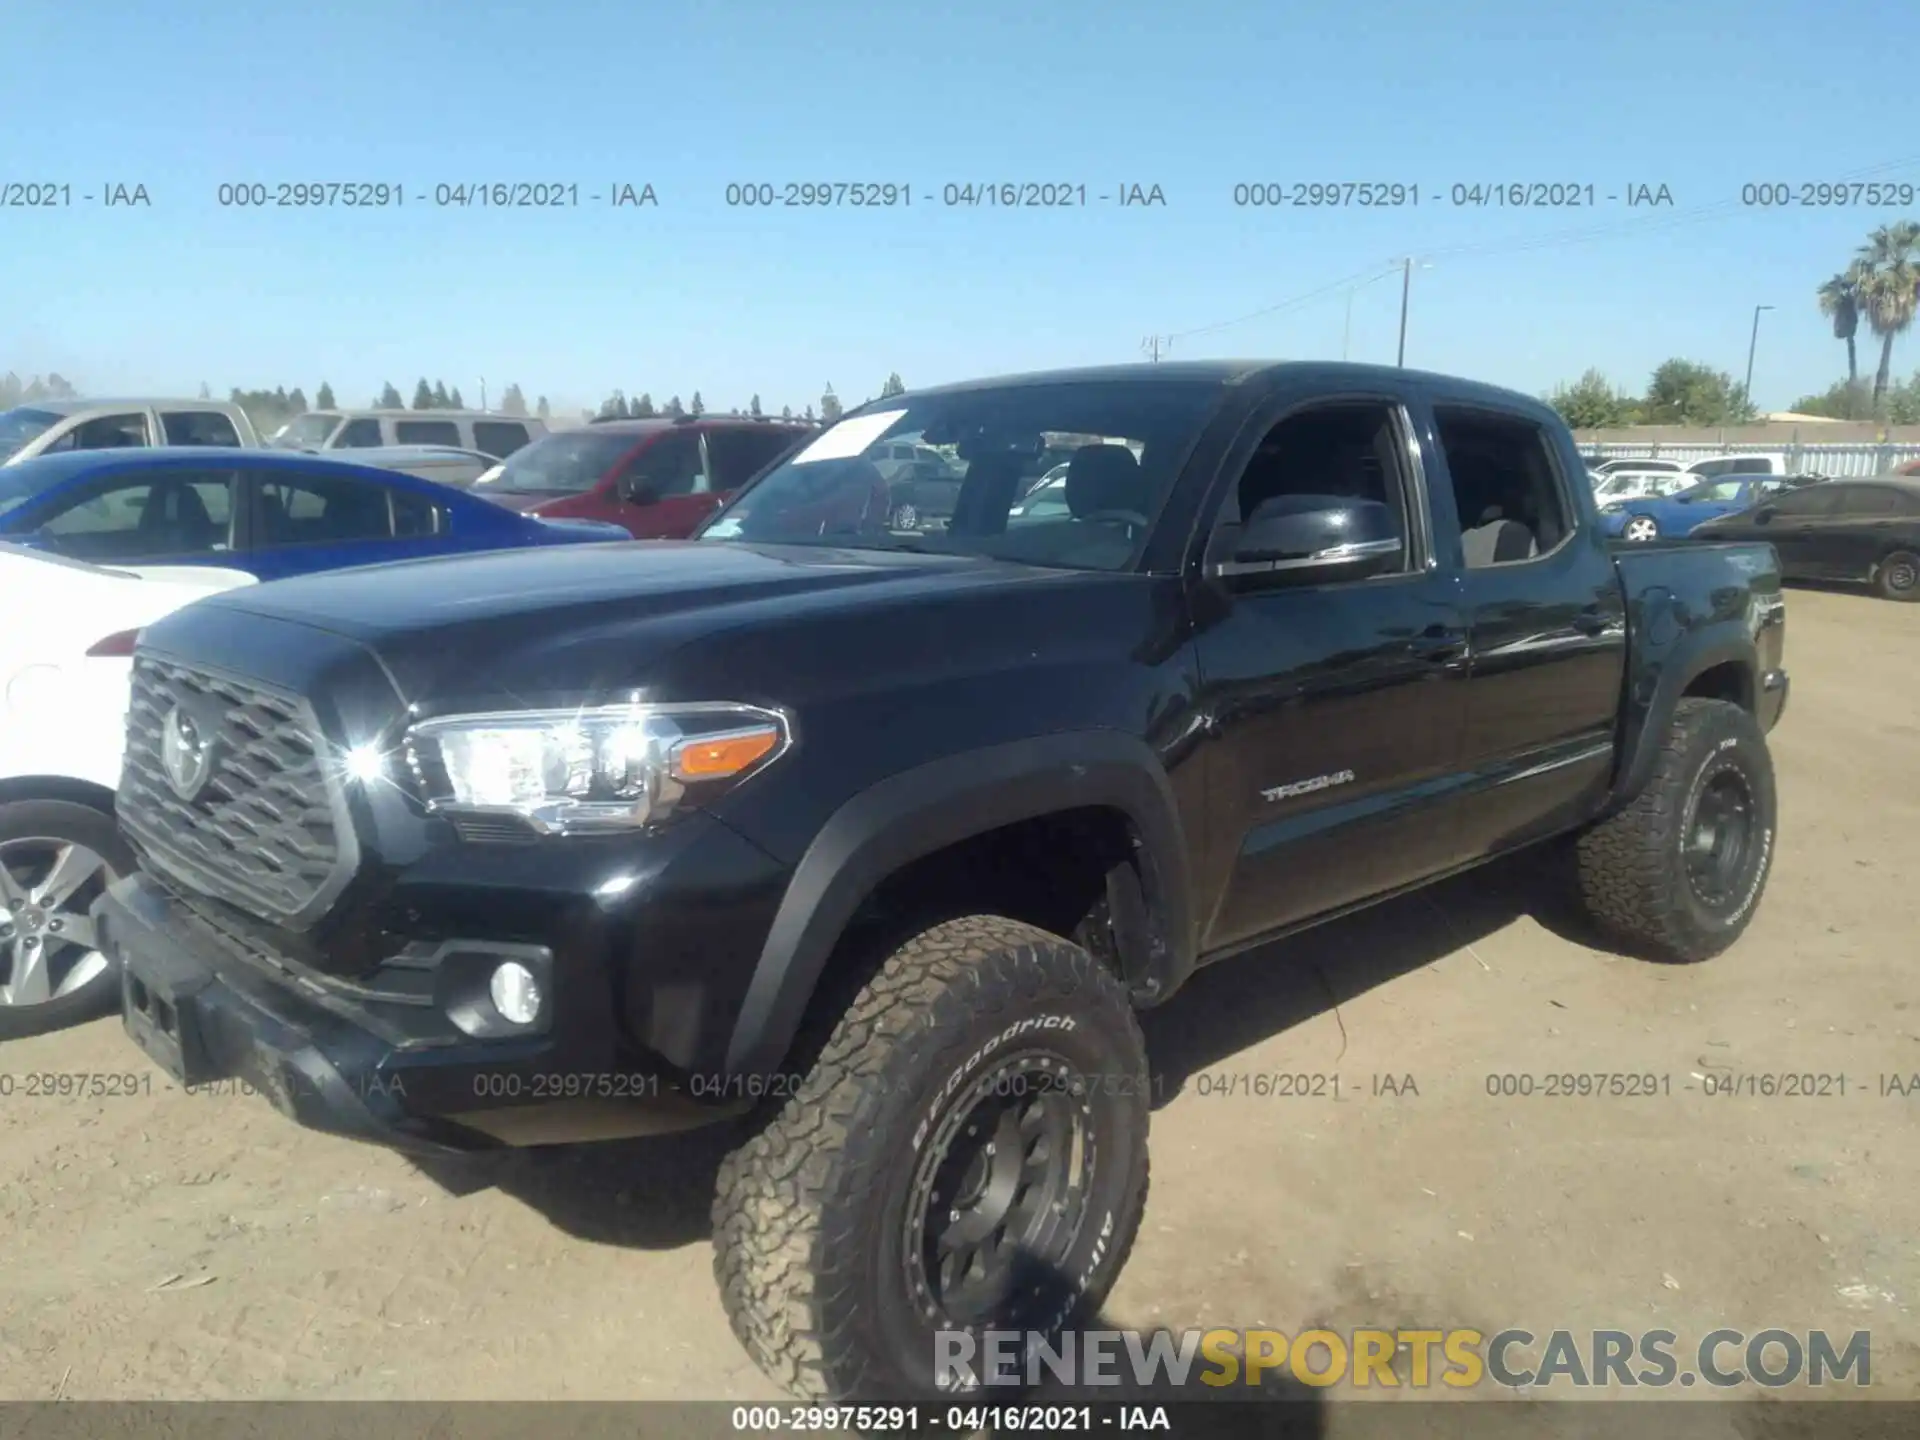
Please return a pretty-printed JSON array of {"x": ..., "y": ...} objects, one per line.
[
  {"x": 1641, "y": 528},
  {"x": 969, "y": 1153},
  {"x": 55, "y": 859},
  {"x": 904, "y": 517},
  {"x": 1898, "y": 577},
  {"x": 1677, "y": 875}
]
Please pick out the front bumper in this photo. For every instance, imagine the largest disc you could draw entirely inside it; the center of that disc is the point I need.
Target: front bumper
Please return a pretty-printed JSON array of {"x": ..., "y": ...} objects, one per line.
[{"x": 207, "y": 1017}]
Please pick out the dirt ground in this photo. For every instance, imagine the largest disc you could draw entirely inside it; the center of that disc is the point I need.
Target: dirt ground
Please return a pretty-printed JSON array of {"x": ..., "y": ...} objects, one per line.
[{"x": 166, "y": 1246}]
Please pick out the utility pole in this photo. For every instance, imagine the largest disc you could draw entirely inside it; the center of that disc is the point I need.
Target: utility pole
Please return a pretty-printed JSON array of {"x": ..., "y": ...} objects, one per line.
[
  {"x": 1154, "y": 344},
  {"x": 483, "y": 392},
  {"x": 1747, "y": 394},
  {"x": 1406, "y": 287}
]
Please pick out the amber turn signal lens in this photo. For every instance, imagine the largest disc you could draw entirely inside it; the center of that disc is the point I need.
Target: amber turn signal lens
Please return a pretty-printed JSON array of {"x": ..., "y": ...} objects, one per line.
[{"x": 717, "y": 756}]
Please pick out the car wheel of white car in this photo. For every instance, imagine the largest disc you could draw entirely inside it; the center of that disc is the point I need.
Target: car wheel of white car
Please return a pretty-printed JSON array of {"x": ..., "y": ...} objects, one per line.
[
  {"x": 55, "y": 859},
  {"x": 1641, "y": 527},
  {"x": 905, "y": 517}
]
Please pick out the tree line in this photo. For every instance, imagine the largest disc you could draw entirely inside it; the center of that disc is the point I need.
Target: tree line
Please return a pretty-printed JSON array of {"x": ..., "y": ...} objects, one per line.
[
  {"x": 1879, "y": 288},
  {"x": 618, "y": 406}
]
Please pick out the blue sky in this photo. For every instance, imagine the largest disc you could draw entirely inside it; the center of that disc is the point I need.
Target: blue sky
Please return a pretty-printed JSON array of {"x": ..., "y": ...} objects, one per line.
[{"x": 1701, "y": 97}]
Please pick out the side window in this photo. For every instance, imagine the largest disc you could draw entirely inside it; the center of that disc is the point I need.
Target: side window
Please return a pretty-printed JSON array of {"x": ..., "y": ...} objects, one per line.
[
  {"x": 738, "y": 455},
  {"x": 498, "y": 438},
  {"x": 199, "y": 427},
  {"x": 1504, "y": 486},
  {"x": 361, "y": 434},
  {"x": 1340, "y": 451},
  {"x": 415, "y": 516},
  {"x": 1709, "y": 469},
  {"x": 426, "y": 432},
  {"x": 111, "y": 432},
  {"x": 1751, "y": 465},
  {"x": 1811, "y": 503},
  {"x": 145, "y": 518},
  {"x": 1869, "y": 502},
  {"x": 671, "y": 465},
  {"x": 320, "y": 510}
]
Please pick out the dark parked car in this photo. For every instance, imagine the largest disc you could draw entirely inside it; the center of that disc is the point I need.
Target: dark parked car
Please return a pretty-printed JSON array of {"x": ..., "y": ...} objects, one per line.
[
  {"x": 526, "y": 849},
  {"x": 1863, "y": 532},
  {"x": 271, "y": 513},
  {"x": 657, "y": 479},
  {"x": 922, "y": 493}
]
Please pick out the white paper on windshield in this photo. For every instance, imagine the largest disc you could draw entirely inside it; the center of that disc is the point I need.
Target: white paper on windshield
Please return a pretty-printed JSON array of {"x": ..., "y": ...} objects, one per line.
[{"x": 849, "y": 437}]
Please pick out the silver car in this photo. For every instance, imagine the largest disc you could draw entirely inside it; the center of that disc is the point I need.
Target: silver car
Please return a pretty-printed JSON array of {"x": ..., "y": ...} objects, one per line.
[
  {"x": 50, "y": 427},
  {"x": 489, "y": 433}
]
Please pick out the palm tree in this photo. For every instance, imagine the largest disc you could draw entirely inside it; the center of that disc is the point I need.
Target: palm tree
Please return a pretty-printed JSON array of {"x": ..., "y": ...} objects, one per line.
[
  {"x": 1888, "y": 286},
  {"x": 1839, "y": 303}
]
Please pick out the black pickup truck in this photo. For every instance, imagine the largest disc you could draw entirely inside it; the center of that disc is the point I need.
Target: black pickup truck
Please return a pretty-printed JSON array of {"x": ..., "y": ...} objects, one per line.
[{"x": 885, "y": 838}]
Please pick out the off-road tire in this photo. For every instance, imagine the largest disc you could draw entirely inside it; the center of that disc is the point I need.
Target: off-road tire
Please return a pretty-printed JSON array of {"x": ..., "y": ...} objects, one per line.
[
  {"x": 810, "y": 1213},
  {"x": 1633, "y": 876},
  {"x": 1900, "y": 566},
  {"x": 95, "y": 829}
]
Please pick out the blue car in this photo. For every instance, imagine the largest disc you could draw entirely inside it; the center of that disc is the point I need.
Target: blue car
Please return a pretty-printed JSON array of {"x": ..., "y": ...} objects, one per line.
[
  {"x": 1670, "y": 517},
  {"x": 268, "y": 513}
]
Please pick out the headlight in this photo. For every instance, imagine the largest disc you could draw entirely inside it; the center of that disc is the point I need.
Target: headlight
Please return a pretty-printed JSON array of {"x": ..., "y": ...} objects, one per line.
[{"x": 604, "y": 768}]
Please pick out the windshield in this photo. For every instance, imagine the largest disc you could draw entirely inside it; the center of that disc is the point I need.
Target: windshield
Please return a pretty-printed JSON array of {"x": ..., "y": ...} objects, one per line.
[
  {"x": 21, "y": 425},
  {"x": 305, "y": 432},
  {"x": 569, "y": 463},
  {"x": 1127, "y": 439}
]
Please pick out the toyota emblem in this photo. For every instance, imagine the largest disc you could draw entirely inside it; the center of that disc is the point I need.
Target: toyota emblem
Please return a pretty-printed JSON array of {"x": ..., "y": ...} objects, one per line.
[{"x": 186, "y": 753}]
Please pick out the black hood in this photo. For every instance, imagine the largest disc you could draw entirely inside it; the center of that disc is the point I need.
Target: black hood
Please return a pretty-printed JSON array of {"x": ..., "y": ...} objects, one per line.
[{"x": 554, "y": 624}]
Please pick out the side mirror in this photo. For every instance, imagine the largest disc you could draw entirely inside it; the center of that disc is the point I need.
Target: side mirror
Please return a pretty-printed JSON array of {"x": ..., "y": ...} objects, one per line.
[
  {"x": 637, "y": 490},
  {"x": 1764, "y": 515},
  {"x": 1312, "y": 540}
]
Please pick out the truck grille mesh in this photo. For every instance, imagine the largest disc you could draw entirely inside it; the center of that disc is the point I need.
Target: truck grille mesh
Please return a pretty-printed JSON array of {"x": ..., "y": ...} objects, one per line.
[{"x": 262, "y": 833}]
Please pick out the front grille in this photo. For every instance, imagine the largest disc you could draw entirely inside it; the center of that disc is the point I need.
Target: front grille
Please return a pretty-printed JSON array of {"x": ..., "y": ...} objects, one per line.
[{"x": 266, "y": 831}]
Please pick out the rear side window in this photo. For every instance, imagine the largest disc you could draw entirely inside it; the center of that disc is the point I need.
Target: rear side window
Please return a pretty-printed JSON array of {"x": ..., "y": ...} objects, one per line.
[
  {"x": 1868, "y": 501},
  {"x": 199, "y": 427},
  {"x": 426, "y": 432},
  {"x": 362, "y": 434},
  {"x": 499, "y": 438},
  {"x": 321, "y": 510},
  {"x": 1752, "y": 465},
  {"x": 415, "y": 516},
  {"x": 1505, "y": 486}
]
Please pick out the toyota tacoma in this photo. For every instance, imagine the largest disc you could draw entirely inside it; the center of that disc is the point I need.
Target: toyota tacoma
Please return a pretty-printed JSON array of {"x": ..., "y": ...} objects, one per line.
[{"x": 878, "y": 840}]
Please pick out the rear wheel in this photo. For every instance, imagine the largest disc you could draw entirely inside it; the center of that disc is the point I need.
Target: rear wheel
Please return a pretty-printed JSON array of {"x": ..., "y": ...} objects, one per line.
[
  {"x": 1641, "y": 527},
  {"x": 967, "y": 1154},
  {"x": 55, "y": 859},
  {"x": 1677, "y": 875},
  {"x": 1898, "y": 576}
]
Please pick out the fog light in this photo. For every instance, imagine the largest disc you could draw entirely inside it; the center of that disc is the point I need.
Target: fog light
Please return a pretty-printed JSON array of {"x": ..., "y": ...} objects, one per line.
[{"x": 515, "y": 993}]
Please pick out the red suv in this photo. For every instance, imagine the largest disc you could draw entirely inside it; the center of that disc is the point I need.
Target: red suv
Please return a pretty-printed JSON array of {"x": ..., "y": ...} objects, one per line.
[{"x": 657, "y": 478}]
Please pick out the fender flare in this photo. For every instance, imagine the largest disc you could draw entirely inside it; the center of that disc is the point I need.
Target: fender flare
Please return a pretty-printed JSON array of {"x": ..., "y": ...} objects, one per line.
[
  {"x": 918, "y": 811},
  {"x": 1692, "y": 655}
]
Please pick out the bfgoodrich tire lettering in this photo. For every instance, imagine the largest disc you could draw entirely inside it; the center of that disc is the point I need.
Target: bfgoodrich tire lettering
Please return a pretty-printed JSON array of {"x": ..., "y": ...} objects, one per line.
[
  {"x": 1678, "y": 874},
  {"x": 818, "y": 1218}
]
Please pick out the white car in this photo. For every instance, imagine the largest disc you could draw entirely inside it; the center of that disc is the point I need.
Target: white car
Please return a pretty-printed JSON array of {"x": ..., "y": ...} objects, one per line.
[
  {"x": 64, "y": 678},
  {"x": 1620, "y": 486}
]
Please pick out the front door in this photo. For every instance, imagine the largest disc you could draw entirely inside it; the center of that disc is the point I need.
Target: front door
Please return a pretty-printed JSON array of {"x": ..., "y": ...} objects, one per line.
[
  {"x": 664, "y": 490},
  {"x": 1336, "y": 708}
]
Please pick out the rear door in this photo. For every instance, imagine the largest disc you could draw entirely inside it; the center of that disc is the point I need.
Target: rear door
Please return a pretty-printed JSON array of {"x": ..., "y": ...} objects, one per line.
[
  {"x": 303, "y": 521},
  {"x": 1795, "y": 524},
  {"x": 199, "y": 427},
  {"x": 1546, "y": 617},
  {"x": 1862, "y": 529}
]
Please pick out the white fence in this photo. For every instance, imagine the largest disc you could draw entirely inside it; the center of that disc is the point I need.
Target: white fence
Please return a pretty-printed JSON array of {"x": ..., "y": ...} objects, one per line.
[{"x": 1834, "y": 461}]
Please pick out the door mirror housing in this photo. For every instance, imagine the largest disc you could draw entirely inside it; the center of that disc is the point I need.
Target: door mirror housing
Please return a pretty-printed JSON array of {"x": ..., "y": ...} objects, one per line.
[
  {"x": 1312, "y": 540},
  {"x": 1764, "y": 515},
  {"x": 638, "y": 490}
]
